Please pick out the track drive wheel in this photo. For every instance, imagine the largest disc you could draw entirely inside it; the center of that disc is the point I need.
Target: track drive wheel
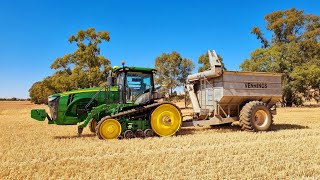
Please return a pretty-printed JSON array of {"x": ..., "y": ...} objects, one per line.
[
  {"x": 93, "y": 125},
  {"x": 108, "y": 129},
  {"x": 166, "y": 120},
  {"x": 255, "y": 116}
]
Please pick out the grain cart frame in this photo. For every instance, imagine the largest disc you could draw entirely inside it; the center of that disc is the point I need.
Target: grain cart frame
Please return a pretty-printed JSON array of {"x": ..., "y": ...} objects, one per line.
[{"x": 222, "y": 97}]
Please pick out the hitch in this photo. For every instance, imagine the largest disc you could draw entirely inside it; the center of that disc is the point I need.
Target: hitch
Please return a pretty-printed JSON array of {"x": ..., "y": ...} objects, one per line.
[{"x": 40, "y": 114}]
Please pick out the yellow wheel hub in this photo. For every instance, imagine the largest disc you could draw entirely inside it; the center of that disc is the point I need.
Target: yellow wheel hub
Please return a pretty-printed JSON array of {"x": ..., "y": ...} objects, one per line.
[
  {"x": 166, "y": 120},
  {"x": 110, "y": 129}
]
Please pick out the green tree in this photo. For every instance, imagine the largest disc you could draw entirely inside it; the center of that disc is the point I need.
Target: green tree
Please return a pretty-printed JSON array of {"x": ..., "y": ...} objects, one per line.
[
  {"x": 186, "y": 68},
  {"x": 39, "y": 93},
  {"x": 83, "y": 68},
  {"x": 293, "y": 50},
  {"x": 204, "y": 60},
  {"x": 172, "y": 69},
  {"x": 86, "y": 60}
]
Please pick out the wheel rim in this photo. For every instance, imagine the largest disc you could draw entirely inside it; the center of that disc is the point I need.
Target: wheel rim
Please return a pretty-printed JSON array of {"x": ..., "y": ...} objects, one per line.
[
  {"x": 166, "y": 120},
  {"x": 110, "y": 129},
  {"x": 260, "y": 118}
]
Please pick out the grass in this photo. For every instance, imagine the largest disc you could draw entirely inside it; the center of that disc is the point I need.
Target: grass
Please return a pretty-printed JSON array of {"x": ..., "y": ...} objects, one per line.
[{"x": 30, "y": 149}]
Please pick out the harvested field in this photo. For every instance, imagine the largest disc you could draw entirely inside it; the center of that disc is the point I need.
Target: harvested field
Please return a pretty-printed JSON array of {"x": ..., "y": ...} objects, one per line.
[{"x": 32, "y": 149}]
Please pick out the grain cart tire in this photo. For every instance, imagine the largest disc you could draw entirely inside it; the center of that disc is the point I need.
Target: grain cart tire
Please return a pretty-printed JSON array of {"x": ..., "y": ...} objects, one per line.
[
  {"x": 255, "y": 116},
  {"x": 108, "y": 129},
  {"x": 166, "y": 120},
  {"x": 93, "y": 125}
]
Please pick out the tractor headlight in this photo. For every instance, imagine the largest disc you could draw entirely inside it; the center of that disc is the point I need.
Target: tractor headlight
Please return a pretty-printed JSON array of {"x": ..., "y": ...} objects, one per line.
[
  {"x": 53, "y": 105},
  {"x": 52, "y": 98}
]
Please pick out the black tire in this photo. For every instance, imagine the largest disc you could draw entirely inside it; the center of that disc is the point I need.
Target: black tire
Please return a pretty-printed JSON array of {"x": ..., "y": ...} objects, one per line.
[
  {"x": 92, "y": 125},
  {"x": 255, "y": 116}
]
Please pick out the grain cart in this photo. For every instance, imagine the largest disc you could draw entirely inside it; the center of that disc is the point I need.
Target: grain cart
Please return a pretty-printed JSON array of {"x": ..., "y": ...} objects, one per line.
[{"x": 222, "y": 97}]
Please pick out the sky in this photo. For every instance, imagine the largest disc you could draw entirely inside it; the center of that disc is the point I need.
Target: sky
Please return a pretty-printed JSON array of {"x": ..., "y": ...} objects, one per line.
[{"x": 35, "y": 33}]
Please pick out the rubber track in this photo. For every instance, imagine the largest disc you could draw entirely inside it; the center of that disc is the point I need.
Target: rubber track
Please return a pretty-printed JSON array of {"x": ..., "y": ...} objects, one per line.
[{"x": 131, "y": 111}]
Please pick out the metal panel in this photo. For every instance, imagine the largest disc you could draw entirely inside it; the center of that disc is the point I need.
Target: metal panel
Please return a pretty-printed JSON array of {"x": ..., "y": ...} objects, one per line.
[{"x": 233, "y": 89}]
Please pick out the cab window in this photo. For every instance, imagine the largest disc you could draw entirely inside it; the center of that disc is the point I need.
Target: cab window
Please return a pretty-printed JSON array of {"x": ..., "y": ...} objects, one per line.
[{"x": 137, "y": 83}]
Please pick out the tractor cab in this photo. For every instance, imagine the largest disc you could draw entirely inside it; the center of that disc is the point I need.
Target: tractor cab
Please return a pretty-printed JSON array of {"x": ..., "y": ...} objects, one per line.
[{"x": 135, "y": 84}]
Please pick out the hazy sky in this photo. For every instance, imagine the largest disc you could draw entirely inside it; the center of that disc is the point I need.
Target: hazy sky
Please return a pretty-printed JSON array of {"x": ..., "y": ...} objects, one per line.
[{"x": 34, "y": 33}]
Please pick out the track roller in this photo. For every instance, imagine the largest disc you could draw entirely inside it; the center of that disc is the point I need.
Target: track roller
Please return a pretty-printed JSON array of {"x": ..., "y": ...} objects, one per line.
[
  {"x": 128, "y": 134},
  {"x": 139, "y": 133},
  {"x": 148, "y": 133}
]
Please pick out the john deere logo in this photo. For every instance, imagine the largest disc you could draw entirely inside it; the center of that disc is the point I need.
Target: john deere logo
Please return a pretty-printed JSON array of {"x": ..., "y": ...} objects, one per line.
[{"x": 256, "y": 85}]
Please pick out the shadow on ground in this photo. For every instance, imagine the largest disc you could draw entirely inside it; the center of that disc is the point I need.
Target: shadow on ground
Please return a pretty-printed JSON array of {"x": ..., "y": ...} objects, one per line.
[
  {"x": 233, "y": 128},
  {"x": 277, "y": 127},
  {"x": 224, "y": 128},
  {"x": 74, "y": 136}
]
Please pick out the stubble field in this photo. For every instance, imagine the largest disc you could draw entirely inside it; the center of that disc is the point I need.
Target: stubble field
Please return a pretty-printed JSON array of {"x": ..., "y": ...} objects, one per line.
[{"x": 35, "y": 150}]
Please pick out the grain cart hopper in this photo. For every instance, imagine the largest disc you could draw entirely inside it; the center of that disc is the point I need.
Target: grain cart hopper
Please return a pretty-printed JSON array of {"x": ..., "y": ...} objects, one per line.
[
  {"x": 126, "y": 107},
  {"x": 222, "y": 97}
]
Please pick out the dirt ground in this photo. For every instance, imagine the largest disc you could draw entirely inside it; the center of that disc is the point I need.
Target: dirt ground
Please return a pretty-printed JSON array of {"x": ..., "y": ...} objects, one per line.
[{"x": 31, "y": 149}]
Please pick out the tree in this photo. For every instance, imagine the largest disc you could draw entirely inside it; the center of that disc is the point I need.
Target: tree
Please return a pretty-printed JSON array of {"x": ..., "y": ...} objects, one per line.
[
  {"x": 172, "y": 69},
  {"x": 167, "y": 66},
  {"x": 83, "y": 68},
  {"x": 39, "y": 93},
  {"x": 186, "y": 68},
  {"x": 86, "y": 60},
  {"x": 204, "y": 60},
  {"x": 293, "y": 50}
]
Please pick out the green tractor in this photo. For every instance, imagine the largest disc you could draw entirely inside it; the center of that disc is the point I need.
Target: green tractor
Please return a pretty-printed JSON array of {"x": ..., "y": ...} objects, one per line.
[{"x": 127, "y": 106}]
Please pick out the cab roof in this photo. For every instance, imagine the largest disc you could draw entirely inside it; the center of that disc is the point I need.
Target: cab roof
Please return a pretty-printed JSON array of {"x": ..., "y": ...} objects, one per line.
[{"x": 133, "y": 68}]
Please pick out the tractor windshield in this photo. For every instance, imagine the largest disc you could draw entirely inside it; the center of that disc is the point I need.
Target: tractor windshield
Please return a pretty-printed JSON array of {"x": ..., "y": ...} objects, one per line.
[{"x": 137, "y": 84}]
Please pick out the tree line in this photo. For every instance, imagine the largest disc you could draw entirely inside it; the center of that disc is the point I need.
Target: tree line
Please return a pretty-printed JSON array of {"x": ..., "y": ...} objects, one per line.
[
  {"x": 86, "y": 67},
  {"x": 293, "y": 50},
  {"x": 83, "y": 68},
  {"x": 14, "y": 99}
]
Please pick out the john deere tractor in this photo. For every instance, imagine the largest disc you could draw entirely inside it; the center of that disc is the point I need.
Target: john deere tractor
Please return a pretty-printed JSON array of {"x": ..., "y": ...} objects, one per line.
[{"x": 127, "y": 106}]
